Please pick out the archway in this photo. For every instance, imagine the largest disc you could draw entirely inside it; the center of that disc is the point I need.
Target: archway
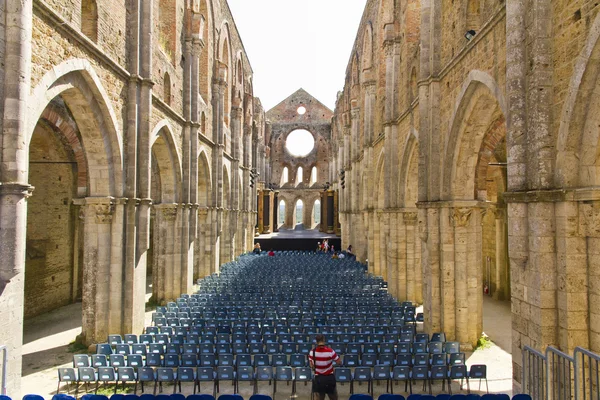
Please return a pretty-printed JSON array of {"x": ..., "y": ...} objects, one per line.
[
  {"x": 54, "y": 231},
  {"x": 204, "y": 238},
  {"x": 281, "y": 214},
  {"x": 81, "y": 131},
  {"x": 475, "y": 175},
  {"x": 298, "y": 212},
  {"x": 168, "y": 275},
  {"x": 226, "y": 234},
  {"x": 316, "y": 215}
]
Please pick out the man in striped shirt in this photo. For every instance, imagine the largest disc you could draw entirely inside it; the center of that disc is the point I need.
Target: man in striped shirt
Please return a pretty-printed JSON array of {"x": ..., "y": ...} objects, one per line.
[{"x": 321, "y": 361}]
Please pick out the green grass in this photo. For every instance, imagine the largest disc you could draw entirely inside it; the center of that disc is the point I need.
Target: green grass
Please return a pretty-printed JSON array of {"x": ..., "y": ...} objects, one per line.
[
  {"x": 484, "y": 342},
  {"x": 76, "y": 347}
]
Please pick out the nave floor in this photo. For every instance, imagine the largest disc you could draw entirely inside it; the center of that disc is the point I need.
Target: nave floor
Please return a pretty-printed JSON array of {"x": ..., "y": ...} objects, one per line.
[{"x": 47, "y": 339}]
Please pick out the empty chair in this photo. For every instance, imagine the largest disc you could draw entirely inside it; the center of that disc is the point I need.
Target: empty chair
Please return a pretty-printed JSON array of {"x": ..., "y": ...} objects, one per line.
[
  {"x": 298, "y": 360},
  {"x": 435, "y": 348},
  {"x": 261, "y": 360},
  {"x": 154, "y": 360},
  {"x": 368, "y": 360},
  {"x": 99, "y": 360},
  {"x": 387, "y": 348},
  {"x": 225, "y": 360},
  {"x": 104, "y": 348},
  {"x": 362, "y": 374},
  {"x": 457, "y": 372},
  {"x": 385, "y": 359},
  {"x": 279, "y": 360},
  {"x": 420, "y": 373},
  {"x": 451, "y": 347},
  {"x": 421, "y": 360},
  {"x": 66, "y": 375},
  {"x": 282, "y": 374},
  {"x": 371, "y": 348},
  {"x": 145, "y": 374},
  {"x": 189, "y": 360},
  {"x": 205, "y": 374},
  {"x": 139, "y": 348},
  {"x": 438, "y": 359},
  {"x": 343, "y": 375},
  {"x": 264, "y": 374},
  {"x": 243, "y": 360},
  {"x": 438, "y": 337},
  {"x": 404, "y": 360},
  {"x": 479, "y": 371},
  {"x": 81, "y": 360},
  {"x": 116, "y": 360},
  {"x": 123, "y": 349},
  {"x": 350, "y": 360},
  {"x": 125, "y": 375},
  {"x": 244, "y": 374},
  {"x": 389, "y": 396},
  {"x": 85, "y": 375},
  {"x": 164, "y": 375},
  {"x": 130, "y": 339},
  {"x": 360, "y": 396},
  {"x": 401, "y": 374},
  {"x": 207, "y": 360},
  {"x": 521, "y": 397},
  {"x": 171, "y": 360},
  {"x": 114, "y": 340},
  {"x": 303, "y": 374},
  {"x": 224, "y": 373},
  {"x": 438, "y": 373},
  {"x": 381, "y": 373},
  {"x": 456, "y": 358},
  {"x": 106, "y": 375},
  {"x": 185, "y": 374}
]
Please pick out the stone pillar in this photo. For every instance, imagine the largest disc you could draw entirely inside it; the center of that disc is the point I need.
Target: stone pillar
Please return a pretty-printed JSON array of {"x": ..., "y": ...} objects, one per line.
[
  {"x": 275, "y": 211},
  {"x": 412, "y": 258},
  {"x": 15, "y": 79},
  {"x": 166, "y": 255},
  {"x": 394, "y": 272},
  {"x": 502, "y": 289},
  {"x": 98, "y": 214}
]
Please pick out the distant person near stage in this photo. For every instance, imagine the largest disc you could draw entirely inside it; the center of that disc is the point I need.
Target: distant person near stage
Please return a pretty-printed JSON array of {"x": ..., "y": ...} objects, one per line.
[{"x": 257, "y": 249}]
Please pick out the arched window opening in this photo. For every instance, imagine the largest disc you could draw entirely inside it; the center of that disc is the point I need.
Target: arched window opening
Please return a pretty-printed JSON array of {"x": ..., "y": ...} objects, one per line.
[
  {"x": 299, "y": 176},
  {"x": 299, "y": 212},
  {"x": 316, "y": 213},
  {"x": 281, "y": 215},
  {"x": 413, "y": 85},
  {"x": 313, "y": 176},
  {"x": 285, "y": 176},
  {"x": 167, "y": 89},
  {"x": 367, "y": 60},
  {"x": 204, "y": 61},
  {"x": 89, "y": 19},
  {"x": 473, "y": 15},
  {"x": 167, "y": 32},
  {"x": 225, "y": 61},
  {"x": 240, "y": 74}
]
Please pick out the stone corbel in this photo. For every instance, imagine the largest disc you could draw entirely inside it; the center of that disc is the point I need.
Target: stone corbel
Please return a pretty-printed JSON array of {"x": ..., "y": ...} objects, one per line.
[{"x": 460, "y": 217}]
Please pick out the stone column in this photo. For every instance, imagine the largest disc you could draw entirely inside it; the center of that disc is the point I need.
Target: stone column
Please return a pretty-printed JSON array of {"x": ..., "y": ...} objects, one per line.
[
  {"x": 275, "y": 211},
  {"x": 15, "y": 81},
  {"x": 166, "y": 255},
  {"x": 97, "y": 214},
  {"x": 412, "y": 258},
  {"x": 394, "y": 271}
]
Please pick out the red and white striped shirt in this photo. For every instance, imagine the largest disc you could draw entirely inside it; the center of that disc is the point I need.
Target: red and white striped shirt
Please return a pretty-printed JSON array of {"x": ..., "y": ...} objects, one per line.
[{"x": 323, "y": 358}]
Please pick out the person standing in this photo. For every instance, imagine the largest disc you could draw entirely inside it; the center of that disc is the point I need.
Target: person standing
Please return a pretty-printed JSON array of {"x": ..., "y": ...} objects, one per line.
[{"x": 321, "y": 360}]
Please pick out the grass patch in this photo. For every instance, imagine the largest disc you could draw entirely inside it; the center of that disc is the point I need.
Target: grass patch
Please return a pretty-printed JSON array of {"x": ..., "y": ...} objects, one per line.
[
  {"x": 76, "y": 347},
  {"x": 151, "y": 304},
  {"x": 484, "y": 342}
]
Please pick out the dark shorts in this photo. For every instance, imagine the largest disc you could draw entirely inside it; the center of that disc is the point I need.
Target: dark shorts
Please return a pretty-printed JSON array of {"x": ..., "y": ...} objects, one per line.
[{"x": 324, "y": 384}]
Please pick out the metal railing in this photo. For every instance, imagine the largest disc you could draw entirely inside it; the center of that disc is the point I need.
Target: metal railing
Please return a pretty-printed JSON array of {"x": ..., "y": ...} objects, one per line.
[
  {"x": 4, "y": 351},
  {"x": 555, "y": 375},
  {"x": 534, "y": 373},
  {"x": 587, "y": 382}
]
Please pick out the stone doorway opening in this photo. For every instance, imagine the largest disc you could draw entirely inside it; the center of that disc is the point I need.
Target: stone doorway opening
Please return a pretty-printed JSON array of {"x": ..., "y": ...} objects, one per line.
[{"x": 298, "y": 222}]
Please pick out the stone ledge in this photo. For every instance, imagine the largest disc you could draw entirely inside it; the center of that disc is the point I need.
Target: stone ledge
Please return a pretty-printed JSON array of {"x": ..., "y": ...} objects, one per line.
[{"x": 553, "y": 195}]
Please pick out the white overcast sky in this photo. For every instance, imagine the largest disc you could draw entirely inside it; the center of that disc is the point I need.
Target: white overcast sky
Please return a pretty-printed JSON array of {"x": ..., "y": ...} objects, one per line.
[{"x": 296, "y": 44}]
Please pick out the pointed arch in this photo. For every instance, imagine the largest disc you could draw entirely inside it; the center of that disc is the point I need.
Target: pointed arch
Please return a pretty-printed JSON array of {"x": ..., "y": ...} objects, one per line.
[
  {"x": 579, "y": 134},
  {"x": 380, "y": 179},
  {"x": 478, "y": 106},
  {"x": 204, "y": 180},
  {"x": 409, "y": 159},
  {"x": 168, "y": 161},
  {"x": 81, "y": 89}
]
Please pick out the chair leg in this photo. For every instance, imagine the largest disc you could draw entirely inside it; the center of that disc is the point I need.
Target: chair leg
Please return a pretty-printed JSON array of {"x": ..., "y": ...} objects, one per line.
[
  {"x": 58, "y": 388},
  {"x": 155, "y": 384},
  {"x": 487, "y": 389},
  {"x": 135, "y": 388}
]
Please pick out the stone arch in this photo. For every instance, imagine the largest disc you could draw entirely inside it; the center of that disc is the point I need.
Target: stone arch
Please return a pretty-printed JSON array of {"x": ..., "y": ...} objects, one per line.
[
  {"x": 298, "y": 200},
  {"x": 380, "y": 179},
  {"x": 167, "y": 88},
  {"x": 479, "y": 104},
  {"x": 299, "y": 179},
  {"x": 225, "y": 58},
  {"x": 281, "y": 212},
  {"x": 285, "y": 175},
  {"x": 315, "y": 214},
  {"x": 578, "y": 135},
  {"x": 226, "y": 193},
  {"x": 408, "y": 183},
  {"x": 204, "y": 180},
  {"x": 81, "y": 89},
  {"x": 168, "y": 161}
]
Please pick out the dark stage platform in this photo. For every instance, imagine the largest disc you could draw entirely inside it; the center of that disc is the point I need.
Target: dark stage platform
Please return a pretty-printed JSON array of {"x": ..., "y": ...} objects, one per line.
[{"x": 297, "y": 239}]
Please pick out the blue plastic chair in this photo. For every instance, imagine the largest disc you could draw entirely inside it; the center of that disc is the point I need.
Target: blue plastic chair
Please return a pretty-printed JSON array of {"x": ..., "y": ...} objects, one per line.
[
  {"x": 62, "y": 396},
  {"x": 200, "y": 397},
  {"x": 388, "y": 396},
  {"x": 361, "y": 397},
  {"x": 259, "y": 397},
  {"x": 521, "y": 397},
  {"x": 3, "y": 397},
  {"x": 230, "y": 397}
]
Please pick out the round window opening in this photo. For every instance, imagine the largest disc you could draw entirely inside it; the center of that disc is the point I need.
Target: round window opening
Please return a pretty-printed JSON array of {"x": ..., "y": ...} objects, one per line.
[
  {"x": 300, "y": 143},
  {"x": 301, "y": 110}
]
